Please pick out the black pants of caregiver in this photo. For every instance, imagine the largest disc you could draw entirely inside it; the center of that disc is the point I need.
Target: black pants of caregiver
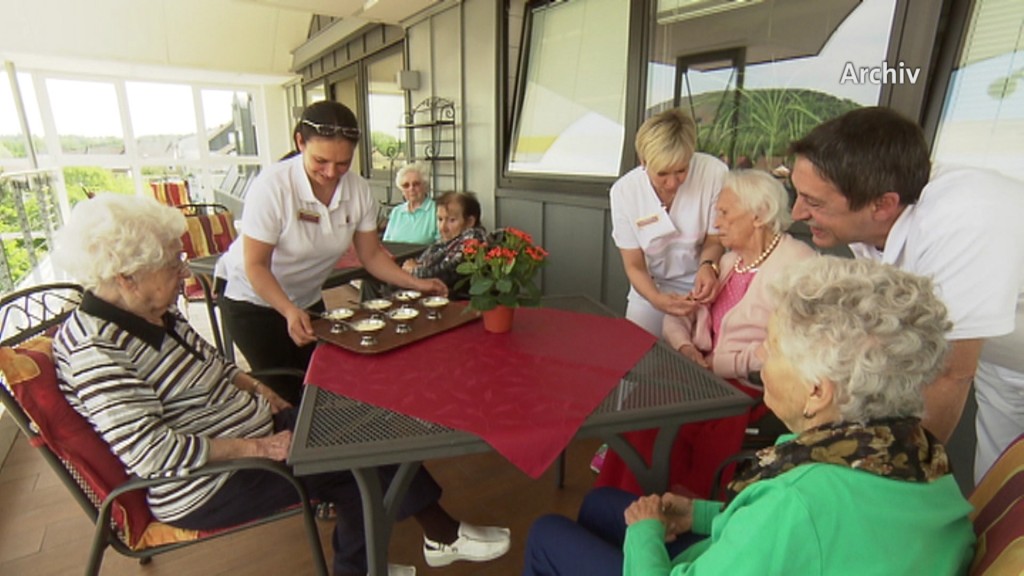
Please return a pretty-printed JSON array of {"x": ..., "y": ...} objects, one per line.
[
  {"x": 262, "y": 336},
  {"x": 251, "y": 494}
]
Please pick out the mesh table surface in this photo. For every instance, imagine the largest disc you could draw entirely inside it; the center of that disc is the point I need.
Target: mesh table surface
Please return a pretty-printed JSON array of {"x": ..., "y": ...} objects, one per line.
[{"x": 335, "y": 432}]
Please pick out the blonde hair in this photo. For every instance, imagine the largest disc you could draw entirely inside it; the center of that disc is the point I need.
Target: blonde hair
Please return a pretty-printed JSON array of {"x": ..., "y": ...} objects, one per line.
[
  {"x": 878, "y": 333},
  {"x": 666, "y": 139},
  {"x": 114, "y": 234},
  {"x": 762, "y": 195}
]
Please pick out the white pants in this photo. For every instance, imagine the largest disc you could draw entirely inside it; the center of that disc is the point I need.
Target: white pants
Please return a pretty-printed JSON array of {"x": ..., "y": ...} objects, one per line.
[
  {"x": 1000, "y": 420},
  {"x": 642, "y": 313}
]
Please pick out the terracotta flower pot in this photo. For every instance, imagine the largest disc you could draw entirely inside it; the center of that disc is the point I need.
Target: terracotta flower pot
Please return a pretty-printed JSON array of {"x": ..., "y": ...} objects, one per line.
[{"x": 498, "y": 320}]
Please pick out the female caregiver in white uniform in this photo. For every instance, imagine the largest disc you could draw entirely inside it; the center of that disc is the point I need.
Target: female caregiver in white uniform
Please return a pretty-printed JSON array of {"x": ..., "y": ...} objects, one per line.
[
  {"x": 300, "y": 216},
  {"x": 663, "y": 221}
]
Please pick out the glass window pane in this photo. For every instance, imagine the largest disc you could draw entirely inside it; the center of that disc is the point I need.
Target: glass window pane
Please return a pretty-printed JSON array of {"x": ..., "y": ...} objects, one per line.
[
  {"x": 801, "y": 64},
  {"x": 315, "y": 93},
  {"x": 230, "y": 129},
  {"x": 386, "y": 109},
  {"x": 571, "y": 118},
  {"x": 346, "y": 91},
  {"x": 82, "y": 181},
  {"x": 163, "y": 119},
  {"x": 12, "y": 142},
  {"x": 983, "y": 119},
  {"x": 87, "y": 116}
]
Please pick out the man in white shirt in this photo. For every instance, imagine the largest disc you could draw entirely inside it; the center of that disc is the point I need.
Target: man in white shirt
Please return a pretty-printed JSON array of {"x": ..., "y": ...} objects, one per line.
[{"x": 865, "y": 179}]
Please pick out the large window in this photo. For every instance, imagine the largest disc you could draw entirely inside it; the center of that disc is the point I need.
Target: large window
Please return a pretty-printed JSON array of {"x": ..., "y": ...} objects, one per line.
[
  {"x": 163, "y": 119},
  {"x": 788, "y": 66},
  {"x": 13, "y": 148},
  {"x": 118, "y": 135},
  {"x": 228, "y": 119},
  {"x": 87, "y": 116},
  {"x": 385, "y": 110},
  {"x": 982, "y": 123},
  {"x": 571, "y": 109}
]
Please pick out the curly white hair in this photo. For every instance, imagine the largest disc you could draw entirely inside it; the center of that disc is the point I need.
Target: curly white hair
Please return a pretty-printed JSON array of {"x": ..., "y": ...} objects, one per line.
[
  {"x": 876, "y": 332},
  {"x": 114, "y": 234}
]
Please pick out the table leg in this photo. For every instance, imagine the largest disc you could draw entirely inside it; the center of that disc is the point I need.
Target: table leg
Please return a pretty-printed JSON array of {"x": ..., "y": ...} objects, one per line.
[
  {"x": 654, "y": 479},
  {"x": 380, "y": 510}
]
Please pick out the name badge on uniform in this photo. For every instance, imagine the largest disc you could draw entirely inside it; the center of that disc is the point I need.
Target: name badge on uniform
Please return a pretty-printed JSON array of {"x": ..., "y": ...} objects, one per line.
[
  {"x": 647, "y": 221},
  {"x": 308, "y": 216}
]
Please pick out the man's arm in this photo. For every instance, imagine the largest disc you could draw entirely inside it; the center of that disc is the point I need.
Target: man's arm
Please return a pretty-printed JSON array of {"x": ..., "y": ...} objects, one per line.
[{"x": 944, "y": 398}]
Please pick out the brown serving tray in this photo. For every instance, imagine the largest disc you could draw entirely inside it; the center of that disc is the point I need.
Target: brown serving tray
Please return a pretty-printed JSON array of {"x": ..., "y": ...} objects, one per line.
[{"x": 453, "y": 315}]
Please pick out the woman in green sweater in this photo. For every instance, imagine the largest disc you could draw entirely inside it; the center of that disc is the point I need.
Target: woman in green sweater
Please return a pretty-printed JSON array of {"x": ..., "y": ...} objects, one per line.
[{"x": 858, "y": 488}]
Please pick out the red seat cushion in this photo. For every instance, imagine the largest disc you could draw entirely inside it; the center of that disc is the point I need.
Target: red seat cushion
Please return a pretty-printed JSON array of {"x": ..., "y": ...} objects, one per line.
[{"x": 32, "y": 377}]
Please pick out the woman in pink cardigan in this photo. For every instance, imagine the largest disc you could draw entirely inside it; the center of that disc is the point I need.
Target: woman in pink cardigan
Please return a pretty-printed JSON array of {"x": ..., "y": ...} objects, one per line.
[{"x": 752, "y": 215}]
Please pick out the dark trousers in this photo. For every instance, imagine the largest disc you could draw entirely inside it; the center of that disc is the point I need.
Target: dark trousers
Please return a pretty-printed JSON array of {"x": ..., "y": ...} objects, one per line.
[
  {"x": 262, "y": 336},
  {"x": 591, "y": 545},
  {"x": 251, "y": 494}
]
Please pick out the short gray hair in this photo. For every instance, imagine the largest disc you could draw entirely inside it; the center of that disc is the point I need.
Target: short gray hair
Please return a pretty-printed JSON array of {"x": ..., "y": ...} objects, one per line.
[
  {"x": 875, "y": 331},
  {"x": 418, "y": 167},
  {"x": 762, "y": 195},
  {"x": 114, "y": 234}
]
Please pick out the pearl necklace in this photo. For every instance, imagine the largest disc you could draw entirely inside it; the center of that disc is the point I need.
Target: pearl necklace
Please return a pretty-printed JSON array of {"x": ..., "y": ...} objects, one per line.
[{"x": 764, "y": 254}]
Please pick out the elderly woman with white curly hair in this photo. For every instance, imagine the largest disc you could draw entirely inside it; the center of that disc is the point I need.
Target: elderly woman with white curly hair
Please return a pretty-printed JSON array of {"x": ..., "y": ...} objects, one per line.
[
  {"x": 859, "y": 487},
  {"x": 752, "y": 215},
  {"x": 166, "y": 402},
  {"x": 415, "y": 220}
]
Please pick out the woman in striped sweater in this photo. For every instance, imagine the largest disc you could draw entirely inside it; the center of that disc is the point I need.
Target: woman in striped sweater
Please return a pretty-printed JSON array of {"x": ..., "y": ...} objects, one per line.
[{"x": 166, "y": 402}]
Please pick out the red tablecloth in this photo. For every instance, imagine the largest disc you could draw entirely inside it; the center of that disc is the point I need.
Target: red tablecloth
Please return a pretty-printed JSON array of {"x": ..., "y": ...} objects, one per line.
[{"x": 526, "y": 392}]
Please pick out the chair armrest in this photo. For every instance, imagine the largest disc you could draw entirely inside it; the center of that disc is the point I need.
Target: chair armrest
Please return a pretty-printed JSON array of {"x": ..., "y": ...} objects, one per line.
[
  {"x": 294, "y": 372},
  {"x": 137, "y": 483}
]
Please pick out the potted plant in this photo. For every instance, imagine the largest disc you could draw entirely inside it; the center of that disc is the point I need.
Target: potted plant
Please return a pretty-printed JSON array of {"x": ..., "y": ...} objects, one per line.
[{"x": 501, "y": 275}]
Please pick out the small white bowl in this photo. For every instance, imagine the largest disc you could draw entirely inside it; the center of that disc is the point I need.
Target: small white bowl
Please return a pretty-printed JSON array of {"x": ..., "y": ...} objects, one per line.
[
  {"x": 435, "y": 301},
  {"x": 377, "y": 304},
  {"x": 403, "y": 314},
  {"x": 407, "y": 295},
  {"x": 338, "y": 314},
  {"x": 367, "y": 325}
]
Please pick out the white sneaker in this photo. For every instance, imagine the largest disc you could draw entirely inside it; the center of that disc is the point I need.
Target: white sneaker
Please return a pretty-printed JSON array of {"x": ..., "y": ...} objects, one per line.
[{"x": 475, "y": 544}]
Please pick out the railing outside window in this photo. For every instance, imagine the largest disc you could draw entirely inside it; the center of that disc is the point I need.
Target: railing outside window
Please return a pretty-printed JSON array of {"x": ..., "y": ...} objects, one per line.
[{"x": 29, "y": 216}]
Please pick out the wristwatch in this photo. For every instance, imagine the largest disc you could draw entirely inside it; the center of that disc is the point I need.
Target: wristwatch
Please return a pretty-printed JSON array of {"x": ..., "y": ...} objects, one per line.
[{"x": 712, "y": 263}]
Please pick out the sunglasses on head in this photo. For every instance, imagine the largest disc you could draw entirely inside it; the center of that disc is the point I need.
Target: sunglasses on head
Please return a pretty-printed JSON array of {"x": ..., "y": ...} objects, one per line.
[{"x": 333, "y": 130}]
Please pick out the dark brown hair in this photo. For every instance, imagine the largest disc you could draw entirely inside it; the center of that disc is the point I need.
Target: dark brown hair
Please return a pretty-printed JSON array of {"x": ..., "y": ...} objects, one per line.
[
  {"x": 328, "y": 119},
  {"x": 466, "y": 200},
  {"x": 868, "y": 152}
]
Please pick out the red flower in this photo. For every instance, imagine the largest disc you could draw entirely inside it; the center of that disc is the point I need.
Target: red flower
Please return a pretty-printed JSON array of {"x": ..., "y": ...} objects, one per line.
[{"x": 520, "y": 234}]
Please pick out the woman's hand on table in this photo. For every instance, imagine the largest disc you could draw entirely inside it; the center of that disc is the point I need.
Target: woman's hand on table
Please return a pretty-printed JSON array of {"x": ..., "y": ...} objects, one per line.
[
  {"x": 704, "y": 285},
  {"x": 300, "y": 327},
  {"x": 691, "y": 352}
]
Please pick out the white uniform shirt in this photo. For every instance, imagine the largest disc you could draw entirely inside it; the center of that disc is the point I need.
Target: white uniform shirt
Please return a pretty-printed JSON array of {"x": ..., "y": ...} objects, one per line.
[
  {"x": 965, "y": 234},
  {"x": 671, "y": 241},
  {"x": 308, "y": 237}
]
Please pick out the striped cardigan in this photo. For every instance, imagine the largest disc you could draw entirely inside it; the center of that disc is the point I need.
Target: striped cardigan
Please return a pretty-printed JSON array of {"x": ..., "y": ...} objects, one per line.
[{"x": 156, "y": 395}]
